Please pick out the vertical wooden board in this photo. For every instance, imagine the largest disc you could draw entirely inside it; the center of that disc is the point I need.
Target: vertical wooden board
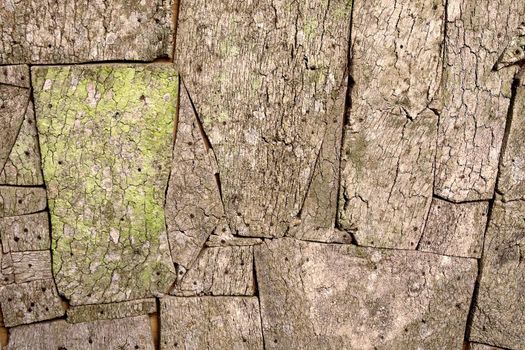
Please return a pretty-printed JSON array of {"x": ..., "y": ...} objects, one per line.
[
  {"x": 13, "y": 105},
  {"x": 39, "y": 31},
  {"x": 207, "y": 323},
  {"x": 124, "y": 334},
  {"x": 26, "y": 232},
  {"x": 21, "y": 200},
  {"x": 455, "y": 229},
  {"x": 15, "y": 75},
  {"x": 106, "y": 136},
  {"x": 389, "y": 141},
  {"x": 267, "y": 80},
  {"x": 23, "y": 167},
  {"x": 475, "y": 97},
  {"x": 220, "y": 271},
  {"x": 500, "y": 306},
  {"x": 193, "y": 203},
  {"x": 30, "y": 302}
]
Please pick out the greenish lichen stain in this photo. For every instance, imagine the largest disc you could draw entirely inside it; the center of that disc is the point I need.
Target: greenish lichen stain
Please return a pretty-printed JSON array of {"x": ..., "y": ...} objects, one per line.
[{"x": 106, "y": 137}]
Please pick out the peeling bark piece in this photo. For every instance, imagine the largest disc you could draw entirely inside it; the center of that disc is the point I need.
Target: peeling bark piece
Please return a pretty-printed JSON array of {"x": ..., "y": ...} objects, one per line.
[
  {"x": 387, "y": 178},
  {"x": 267, "y": 80},
  {"x": 85, "y": 313},
  {"x": 80, "y": 31},
  {"x": 210, "y": 323},
  {"x": 31, "y": 266},
  {"x": 389, "y": 143},
  {"x": 26, "y": 232},
  {"x": 500, "y": 306},
  {"x": 30, "y": 302},
  {"x": 6, "y": 269},
  {"x": 21, "y": 200},
  {"x": 15, "y": 75},
  {"x": 220, "y": 271},
  {"x": 23, "y": 166},
  {"x": 193, "y": 204},
  {"x": 106, "y": 137},
  {"x": 126, "y": 334},
  {"x": 324, "y": 296},
  {"x": 475, "y": 97},
  {"x": 13, "y": 105},
  {"x": 512, "y": 169},
  {"x": 455, "y": 229}
]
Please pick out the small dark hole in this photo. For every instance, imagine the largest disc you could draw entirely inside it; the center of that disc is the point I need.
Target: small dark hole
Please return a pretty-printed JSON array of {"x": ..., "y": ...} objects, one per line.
[
  {"x": 101, "y": 312},
  {"x": 16, "y": 239},
  {"x": 223, "y": 241},
  {"x": 50, "y": 105},
  {"x": 285, "y": 259},
  {"x": 139, "y": 170},
  {"x": 2, "y": 106},
  {"x": 27, "y": 153},
  {"x": 59, "y": 162},
  {"x": 44, "y": 289},
  {"x": 192, "y": 216},
  {"x": 136, "y": 346},
  {"x": 26, "y": 230},
  {"x": 30, "y": 265},
  {"x": 47, "y": 309},
  {"x": 158, "y": 273},
  {"x": 32, "y": 304},
  {"x": 401, "y": 46},
  {"x": 38, "y": 237},
  {"x": 194, "y": 283},
  {"x": 29, "y": 310},
  {"x": 22, "y": 78},
  {"x": 19, "y": 201},
  {"x": 49, "y": 45},
  {"x": 9, "y": 299},
  {"x": 139, "y": 20},
  {"x": 90, "y": 341}
]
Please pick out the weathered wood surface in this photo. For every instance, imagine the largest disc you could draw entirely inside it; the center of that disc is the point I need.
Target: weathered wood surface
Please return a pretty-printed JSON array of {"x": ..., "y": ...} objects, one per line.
[
  {"x": 325, "y": 296},
  {"x": 86, "y": 313},
  {"x": 477, "y": 346},
  {"x": 26, "y": 232},
  {"x": 23, "y": 167},
  {"x": 6, "y": 270},
  {"x": 500, "y": 306},
  {"x": 223, "y": 240},
  {"x": 16, "y": 201},
  {"x": 220, "y": 271},
  {"x": 124, "y": 334},
  {"x": 268, "y": 82},
  {"x": 193, "y": 204},
  {"x": 455, "y": 229},
  {"x": 30, "y": 302},
  {"x": 15, "y": 75},
  {"x": 389, "y": 142},
  {"x": 106, "y": 189},
  {"x": 40, "y": 31},
  {"x": 31, "y": 266},
  {"x": 209, "y": 323},
  {"x": 475, "y": 98}
]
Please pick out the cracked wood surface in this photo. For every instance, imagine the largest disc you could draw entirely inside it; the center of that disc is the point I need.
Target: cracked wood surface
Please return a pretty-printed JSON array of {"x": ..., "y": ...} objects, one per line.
[
  {"x": 17, "y": 75},
  {"x": 455, "y": 229},
  {"x": 21, "y": 200},
  {"x": 123, "y": 334},
  {"x": 268, "y": 82},
  {"x": 326, "y": 296},
  {"x": 86, "y": 313},
  {"x": 40, "y": 31},
  {"x": 389, "y": 142},
  {"x": 499, "y": 313},
  {"x": 106, "y": 188},
  {"x": 475, "y": 98},
  {"x": 208, "y": 323},
  {"x": 26, "y": 232}
]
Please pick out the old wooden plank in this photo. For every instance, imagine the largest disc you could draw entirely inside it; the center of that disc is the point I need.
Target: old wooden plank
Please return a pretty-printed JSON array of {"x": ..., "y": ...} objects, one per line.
[
  {"x": 22, "y": 167},
  {"x": 30, "y": 302},
  {"x": 32, "y": 266},
  {"x": 193, "y": 204},
  {"x": 13, "y": 105},
  {"x": 268, "y": 80},
  {"x": 106, "y": 189},
  {"x": 210, "y": 323},
  {"x": 16, "y": 201},
  {"x": 126, "y": 334},
  {"x": 86, "y": 313},
  {"x": 219, "y": 271},
  {"x": 78, "y": 31},
  {"x": 26, "y": 232},
  {"x": 475, "y": 97},
  {"x": 500, "y": 304},
  {"x": 455, "y": 229},
  {"x": 333, "y": 296},
  {"x": 389, "y": 141}
]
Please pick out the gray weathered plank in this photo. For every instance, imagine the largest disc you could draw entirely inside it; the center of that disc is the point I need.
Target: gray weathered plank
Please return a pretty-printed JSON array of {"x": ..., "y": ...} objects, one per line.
[
  {"x": 23, "y": 167},
  {"x": 39, "y": 31},
  {"x": 32, "y": 265},
  {"x": 220, "y": 271},
  {"x": 86, "y": 313},
  {"x": 16, "y": 201},
  {"x": 30, "y": 302},
  {"x": 475, "y": 97},
  {"x": 193, "y": 203},
  {"x": 268, "y": 80},
  {"x": 106, "y": 188},
  {"x": 123, "y": 334},
  {"x": 455, "y": 229},
  {"x": 209, "y": 323},
  {"x": 15, "y": 75},
  {"x": 389, "y": 142},
  {"x": 26, "y": 232},
  {"x": 13, "y": 105},
  {"x": 500, "y": 306},
  {"x": 333, "y": 296}
]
